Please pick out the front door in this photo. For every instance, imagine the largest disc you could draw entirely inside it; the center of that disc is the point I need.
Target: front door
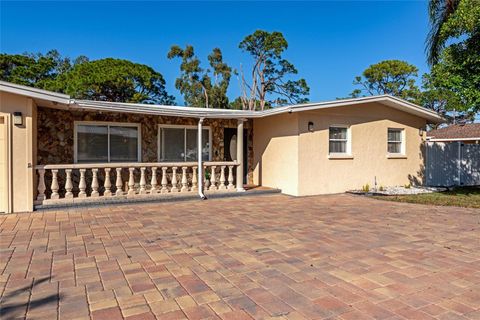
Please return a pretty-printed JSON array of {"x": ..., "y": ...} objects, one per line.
[
  {"x": 3, "y": 165},
  {"x": 230, "y": 153}
]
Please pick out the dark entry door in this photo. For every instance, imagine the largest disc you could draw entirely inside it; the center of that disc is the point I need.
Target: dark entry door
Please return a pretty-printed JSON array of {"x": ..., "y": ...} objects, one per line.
[{"x": 230, "y": 141}]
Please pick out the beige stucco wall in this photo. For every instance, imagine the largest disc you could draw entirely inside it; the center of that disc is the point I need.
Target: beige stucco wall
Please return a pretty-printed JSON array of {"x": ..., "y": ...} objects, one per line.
[
  {"x": 275, "y": 150},
  {"x": 298, "y": 162},
  {"x": 21, "y": 149},
  {"x": 369, "y": 126}
]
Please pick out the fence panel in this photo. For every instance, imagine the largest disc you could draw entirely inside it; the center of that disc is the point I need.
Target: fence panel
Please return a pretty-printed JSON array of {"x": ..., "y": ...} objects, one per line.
[
  {"x": 470, "y": 165},
  {"x": 452, "y": 164}
]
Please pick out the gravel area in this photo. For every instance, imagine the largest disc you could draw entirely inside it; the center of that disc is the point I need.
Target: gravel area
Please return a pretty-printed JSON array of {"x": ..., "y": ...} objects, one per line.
[{"x": 399, "y": 190}]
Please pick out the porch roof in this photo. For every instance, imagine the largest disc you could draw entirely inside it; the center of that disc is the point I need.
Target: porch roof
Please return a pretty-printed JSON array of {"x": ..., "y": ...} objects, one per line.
[{"x": 62, "y": 101}]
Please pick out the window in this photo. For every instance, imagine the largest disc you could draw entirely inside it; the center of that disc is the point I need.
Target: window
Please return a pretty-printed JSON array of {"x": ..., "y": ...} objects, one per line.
[
  {"x": 179, "y": 143},
  {"x": 338, "y": 140},
  {"x": 106, "y": 142},
  {"x": 395, "y": 141}
]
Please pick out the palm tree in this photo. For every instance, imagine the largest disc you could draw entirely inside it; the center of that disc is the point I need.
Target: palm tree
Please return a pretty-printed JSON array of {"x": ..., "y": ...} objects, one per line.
[{"x": 439, "y": 11}]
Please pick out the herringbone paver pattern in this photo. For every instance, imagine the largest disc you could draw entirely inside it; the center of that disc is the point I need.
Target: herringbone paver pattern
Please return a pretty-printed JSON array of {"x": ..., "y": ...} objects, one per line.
[{"x": 269, "y": 257}]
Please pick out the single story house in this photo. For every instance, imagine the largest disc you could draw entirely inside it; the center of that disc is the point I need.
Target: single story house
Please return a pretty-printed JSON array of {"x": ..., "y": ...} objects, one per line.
[
  {"x": 58, "y": 150},
  {"x": 465, "y": 133}
]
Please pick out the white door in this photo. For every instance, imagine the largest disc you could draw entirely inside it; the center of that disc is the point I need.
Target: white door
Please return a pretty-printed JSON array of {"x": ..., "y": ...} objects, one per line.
[{"x": 3, "y": 165}]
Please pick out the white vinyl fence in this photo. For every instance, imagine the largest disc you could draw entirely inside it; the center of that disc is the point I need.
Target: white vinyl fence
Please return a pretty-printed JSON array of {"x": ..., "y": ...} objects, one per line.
[{"x": 452, "y": 164}]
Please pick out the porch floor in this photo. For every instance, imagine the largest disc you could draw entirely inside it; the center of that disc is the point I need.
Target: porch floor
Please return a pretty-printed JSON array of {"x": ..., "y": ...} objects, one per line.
[{"x": 250, "y": 190}]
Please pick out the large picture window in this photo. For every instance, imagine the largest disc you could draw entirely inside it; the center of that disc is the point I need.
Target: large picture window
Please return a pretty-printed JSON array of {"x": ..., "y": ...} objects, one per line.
[
  {"x": 106, "y": 142},
  {"x": 338, "y": 140},
  {"x": 395, "y": 141},
  {"x": 179, "y": 143}
]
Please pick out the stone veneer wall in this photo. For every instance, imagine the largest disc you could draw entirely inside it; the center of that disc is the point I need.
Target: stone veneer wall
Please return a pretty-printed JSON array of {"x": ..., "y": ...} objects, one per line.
[{"x": 55, "y": 133}]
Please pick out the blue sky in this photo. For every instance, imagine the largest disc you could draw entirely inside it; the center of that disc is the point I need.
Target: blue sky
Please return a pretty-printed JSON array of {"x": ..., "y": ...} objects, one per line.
[{"x": 329, "y": 42}]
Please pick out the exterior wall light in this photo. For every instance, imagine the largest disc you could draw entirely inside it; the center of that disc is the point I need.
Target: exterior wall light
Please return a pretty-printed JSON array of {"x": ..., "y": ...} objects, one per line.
[
  {"x": 310, "y": 126},
  {"x": 17, "y": 118},
  {"x": 421, "y": 131}
]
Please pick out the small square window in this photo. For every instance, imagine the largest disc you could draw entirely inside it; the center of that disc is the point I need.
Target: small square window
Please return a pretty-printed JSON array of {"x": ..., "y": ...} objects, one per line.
[
  {"x": 395, "y": 141},
  {"x": 338, "y": 140}
]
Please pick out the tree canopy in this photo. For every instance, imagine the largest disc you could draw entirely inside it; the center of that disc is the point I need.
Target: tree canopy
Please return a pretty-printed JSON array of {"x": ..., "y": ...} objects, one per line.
[
  {"x": 450, "y": 19},
  {"x": 35, "y": 70},
  {"x": 455, "y": 71},
  {"x": 114, "y": 80},
  {"x": 106, "y": 79},
  {"x": 393, "y": 77},
  {"x": 270, "y": 77},
  {"x": 457, "y": 74},
  {"x": 200, "y": 87}
]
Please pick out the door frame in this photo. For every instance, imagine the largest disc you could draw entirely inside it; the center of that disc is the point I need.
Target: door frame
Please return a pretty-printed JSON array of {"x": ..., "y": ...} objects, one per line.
[
  {"x": 245, "y": 148},
  {"x": 8, "y": 165}
]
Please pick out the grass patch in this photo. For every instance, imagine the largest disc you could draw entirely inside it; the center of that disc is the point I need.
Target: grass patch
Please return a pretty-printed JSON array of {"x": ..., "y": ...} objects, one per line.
[{"x": 468, "y": 197}]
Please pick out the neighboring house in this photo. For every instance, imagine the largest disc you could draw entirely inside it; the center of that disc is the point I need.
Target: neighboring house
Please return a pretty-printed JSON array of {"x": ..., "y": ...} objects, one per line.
[
  {"x": 453, "y": 156},
  {"x": 58, "y": 150},
  {"x": 466, "y": 133}
]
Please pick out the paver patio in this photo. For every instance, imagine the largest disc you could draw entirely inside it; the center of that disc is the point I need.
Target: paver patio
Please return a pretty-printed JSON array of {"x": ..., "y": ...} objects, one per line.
[{"x": 262, "y": 257}]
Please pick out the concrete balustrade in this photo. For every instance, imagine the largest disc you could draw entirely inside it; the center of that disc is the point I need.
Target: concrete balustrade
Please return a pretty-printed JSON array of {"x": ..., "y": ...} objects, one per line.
[{"x": 68, "y": 182}]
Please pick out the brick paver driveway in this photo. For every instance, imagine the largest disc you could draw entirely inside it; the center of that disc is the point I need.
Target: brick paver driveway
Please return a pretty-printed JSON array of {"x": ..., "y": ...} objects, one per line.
[{"x": 272, "y": 256}]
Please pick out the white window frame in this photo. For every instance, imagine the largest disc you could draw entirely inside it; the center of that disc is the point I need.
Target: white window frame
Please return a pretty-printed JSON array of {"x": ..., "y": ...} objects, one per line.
[
  {"x": 108, "y": 124},
  {"x": 402, "y": 142},
  {"x": 179, "y": 126},
  {"x": 349, "y": 141}
]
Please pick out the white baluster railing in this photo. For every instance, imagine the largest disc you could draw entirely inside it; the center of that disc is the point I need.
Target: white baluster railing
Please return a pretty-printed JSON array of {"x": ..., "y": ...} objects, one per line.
[
  {"x": 143, "y": 182},
  {"x": 119, "y": 182},
  {"x": 95, "y": 192},
  {"x": 194, "y": 179},
  {"x": 153, "y": 181},
  {"x": 164, "y": 180},
  {"x": 107, "y": 184},
  {"x": 222, "y": 185},
  {"x": 213, "y": 180},
  {"x": 68, "y": 182},
  {"x": 184, "y": 180},
  {"x": 230, "y": 186},
  {"x": 174, "y": 180}
]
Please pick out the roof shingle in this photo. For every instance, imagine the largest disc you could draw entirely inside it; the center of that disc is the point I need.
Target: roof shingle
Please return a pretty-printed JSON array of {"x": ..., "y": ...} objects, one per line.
[{"x": 456, "y": 131}]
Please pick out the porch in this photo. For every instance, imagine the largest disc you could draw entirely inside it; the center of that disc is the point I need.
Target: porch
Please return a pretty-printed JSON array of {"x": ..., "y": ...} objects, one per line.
[
  {"x": 87, "y": 157},
  {"x": 58, "y": 187}
]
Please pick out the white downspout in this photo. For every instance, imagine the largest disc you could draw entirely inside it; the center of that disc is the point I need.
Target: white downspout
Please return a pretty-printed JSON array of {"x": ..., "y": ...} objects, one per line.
[{"x": 200, "y": 160}]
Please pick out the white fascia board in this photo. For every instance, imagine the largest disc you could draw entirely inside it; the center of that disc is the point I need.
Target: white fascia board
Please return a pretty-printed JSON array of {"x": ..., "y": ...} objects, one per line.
[
  {"x": 176, "y": 111},
  {"x": 34, "y": 93},
  {"x": 239, "y": 114}
]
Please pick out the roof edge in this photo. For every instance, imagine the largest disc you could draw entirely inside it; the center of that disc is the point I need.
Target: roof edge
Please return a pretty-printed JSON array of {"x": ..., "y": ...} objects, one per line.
[
  {"x": 34, "y": 92},
  {"x": 196, "y": 112}
]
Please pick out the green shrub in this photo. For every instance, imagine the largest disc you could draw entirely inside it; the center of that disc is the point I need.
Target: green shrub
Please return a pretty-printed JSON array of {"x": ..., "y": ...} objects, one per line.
[{"x": 366, "y": 188}]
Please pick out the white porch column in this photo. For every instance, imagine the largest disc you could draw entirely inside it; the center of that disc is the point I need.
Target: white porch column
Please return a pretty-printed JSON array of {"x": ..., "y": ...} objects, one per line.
[
  {"x": 200, "y": 160},
  {"x": 240, "y": 155}
]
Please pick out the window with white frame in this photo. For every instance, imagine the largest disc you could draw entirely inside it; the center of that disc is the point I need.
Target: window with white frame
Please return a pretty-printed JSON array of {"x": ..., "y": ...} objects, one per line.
[
  {"x": 106, "y": 142},
  {"x": 395, "y": 141},
  {"x": 338, "y": 140},
  {"x": 179, "y": 143}
]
